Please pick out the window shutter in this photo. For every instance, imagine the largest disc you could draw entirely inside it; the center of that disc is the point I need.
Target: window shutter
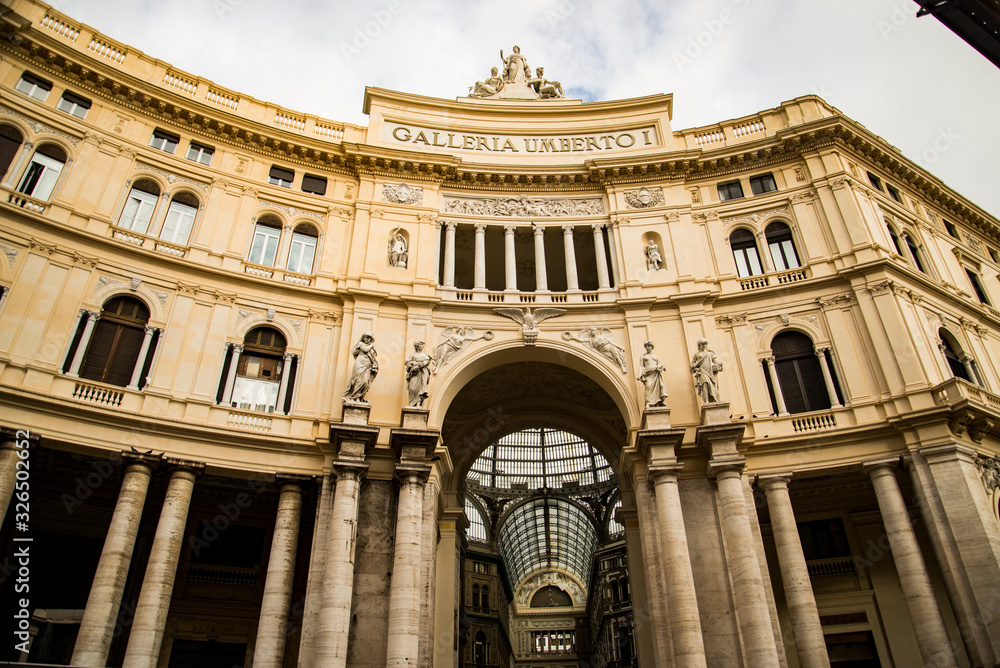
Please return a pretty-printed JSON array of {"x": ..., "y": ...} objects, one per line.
[
  {"x": 101, "y": 343},
  {"x": 788, "y": 378},
  {"x": 125, "y": 355}
]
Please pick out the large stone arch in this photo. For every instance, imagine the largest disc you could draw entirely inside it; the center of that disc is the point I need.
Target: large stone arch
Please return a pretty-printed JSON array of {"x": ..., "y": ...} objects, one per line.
[{"x": 477, "y": 401}]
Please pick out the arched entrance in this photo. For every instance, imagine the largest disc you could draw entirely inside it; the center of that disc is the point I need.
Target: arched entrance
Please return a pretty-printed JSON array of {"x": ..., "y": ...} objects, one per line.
[{"x": 534, "y": 436}]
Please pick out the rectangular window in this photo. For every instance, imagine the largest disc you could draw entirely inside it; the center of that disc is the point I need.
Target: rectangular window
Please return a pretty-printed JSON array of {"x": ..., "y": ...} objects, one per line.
[
  {"x": 138, "y": 211},
  {"x": 994, "y": 255},
  {"x": 894, "y": 193},
  {"x": 177, "y": 226},
  {"x": 281, "y": 177},
  {"x": 731, "y": 190},
  {"x": 73, "y": 104},
  {"x": 875, "y": 181},
  {"x": 313, "y": 184},
  {"x": 301, "y": 253},
  {"x": 977, "y": 286},
  {"x": 264, "y": 245},
  {"x": 199, "y": 153},
  {"x": 164, "y": 141},
  {"x": 952, "y": 230},
  {"x": 33, "y": 86},
  {"x": 763, "y": 184},
  {"x": 40, "y": 177}
]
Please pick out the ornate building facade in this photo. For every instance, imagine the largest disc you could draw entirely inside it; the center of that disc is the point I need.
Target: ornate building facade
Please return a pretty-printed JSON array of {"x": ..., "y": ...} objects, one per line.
[{"x": 504, "y": 380}]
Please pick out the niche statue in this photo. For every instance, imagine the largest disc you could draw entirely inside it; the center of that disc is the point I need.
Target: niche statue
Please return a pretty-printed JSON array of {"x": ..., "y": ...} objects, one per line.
[
  {"x": 705, "y": 366},
  {"x": 652, "y": 377},
  {"x": 365, "y": 369}
]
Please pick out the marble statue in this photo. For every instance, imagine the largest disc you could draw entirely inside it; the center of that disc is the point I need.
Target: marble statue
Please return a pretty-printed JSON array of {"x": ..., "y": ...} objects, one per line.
[
  {"x": 453, "y": 340},
  {"x": 492, "y": 85},
  {"x": 418, "y": 375},
  {"x": 652, "y": 377},
  {"x": 515, "y": 68},
  {"x": 653, "y": 258},
  {"x": 705, "y": 366},
  {"x": 398, "y": 252},
  {"x": 529, "y": 320},
  {"x": 546, "y": 89},
  {"x": 365, "y": 368},
  {"x": 601, "y": 341}
]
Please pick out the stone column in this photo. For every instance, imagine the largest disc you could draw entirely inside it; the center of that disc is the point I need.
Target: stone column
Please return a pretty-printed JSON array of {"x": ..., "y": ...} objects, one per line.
[
  {"x": 979, "y": 375},
  {"x": 831, "y": 390},
  {"x": 967, "y": 363},
  {"x": 404, "y": 592},
  {"x": 810, "y": 647},
  {"x": 234, "y": 360},
  {"x": 541, "y": 277},
  {"x": 269, "y": 650},
  {"x": 752, "y": 615},
  {"x": 685, "y": 624},
  {"x": 572, "y": 283},
  {"x": 150, "y": 618},
  {"x": 767, "y": 262},
  {"x": 81, "y": 349},
  {"x": 779, "y": 398},
  {"x": 286, "y": 367},
  {"x": 921, "y": 604},
  {"x": 139, "y": 363},
  {"x": 602, "y": 259},
  {"x": 510, "y": 262},
  {"x": 317, "y": 565},
  {"x": 338, "y": 578},
  {"x": 480, "y": 266},
  {"x": 103, "y": 602},
  {"x": 449, "y": 254}
]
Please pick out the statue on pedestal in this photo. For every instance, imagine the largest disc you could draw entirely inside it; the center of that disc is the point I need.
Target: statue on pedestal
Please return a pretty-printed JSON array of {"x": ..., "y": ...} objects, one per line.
[
  {"x": 365, "y": 368},
  {"x": 652, "y": 377},
  {"x": 492, "y": 85},
  {"x": 546, "y": 89},
  {"x": 515, "y": 68},
  {"x": 705, "y": 366},
  {"x": 418, "y": 375}
]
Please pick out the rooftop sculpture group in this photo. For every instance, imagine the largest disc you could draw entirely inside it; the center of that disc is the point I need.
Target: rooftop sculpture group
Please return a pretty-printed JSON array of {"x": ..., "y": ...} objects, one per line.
[{"x": 516, "y": 82}]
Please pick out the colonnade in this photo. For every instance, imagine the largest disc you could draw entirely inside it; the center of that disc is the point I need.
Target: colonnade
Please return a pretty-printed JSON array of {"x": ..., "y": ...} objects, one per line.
[
  {"x": 327, "y": 617},
  {"x": 601, "y": 268}
]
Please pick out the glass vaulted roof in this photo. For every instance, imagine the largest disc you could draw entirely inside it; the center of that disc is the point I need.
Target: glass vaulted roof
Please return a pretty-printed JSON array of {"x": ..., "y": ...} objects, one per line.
[
  {"x": 536, "y": 458},
  {"x": 547, "y": 534}
]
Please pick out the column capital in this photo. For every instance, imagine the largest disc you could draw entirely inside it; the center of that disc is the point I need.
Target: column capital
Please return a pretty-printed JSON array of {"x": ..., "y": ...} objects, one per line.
[
  {"x": 238, "y": 348},
  {"x": 567, "y": 230},
  {"x": 480, "y": 228},
  {"x": 94, "y": 315},
  {"x": 880, "y": 467},
  {"x": 450, "y": 224},
  {"x": 343, "y": 469},
  {"x": 509, "y": 229},
  {"x": 289, "y": 356},
  {"x": 297, "y": 479},
  {"x": 147, "y": 459},
  {"x": 410, "y": 474},
  {"x": 727, "y": 468},
  {"x": 177, "y": 465},
  {"x": 151, "y": 329},
  {"x": 664, "y": 473},
  {"x": 537, "y": 229},
  {"x": 597, "y": 227},
  {"x": 775, "y": 480},
  {"x": 820, "y": 352},
  {"x": 9, "y": 438},
  {"x": 769, "y": 360}
]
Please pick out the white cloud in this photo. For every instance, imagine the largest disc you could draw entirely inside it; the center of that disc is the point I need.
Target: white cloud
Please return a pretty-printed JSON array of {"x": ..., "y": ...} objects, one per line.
[{"x": 906, "y": 79}]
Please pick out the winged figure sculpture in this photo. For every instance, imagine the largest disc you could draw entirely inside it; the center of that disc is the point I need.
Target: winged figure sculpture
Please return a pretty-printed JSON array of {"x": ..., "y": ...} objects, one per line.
[{"x": 529, "y": 319}]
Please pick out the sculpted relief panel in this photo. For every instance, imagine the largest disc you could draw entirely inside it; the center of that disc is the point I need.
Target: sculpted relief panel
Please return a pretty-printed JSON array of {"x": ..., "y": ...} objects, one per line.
[{"x": 523, "y": 206}]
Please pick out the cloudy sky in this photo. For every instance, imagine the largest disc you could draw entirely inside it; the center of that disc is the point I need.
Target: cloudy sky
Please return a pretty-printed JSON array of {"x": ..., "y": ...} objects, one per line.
[{"x": 909, "y": 80}]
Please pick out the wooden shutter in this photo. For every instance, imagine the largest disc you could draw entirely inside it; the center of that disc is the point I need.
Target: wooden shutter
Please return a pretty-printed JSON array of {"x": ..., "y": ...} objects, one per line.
[
  {"x": 125, "y": 355},
  {"x": 102, "y": 342}
]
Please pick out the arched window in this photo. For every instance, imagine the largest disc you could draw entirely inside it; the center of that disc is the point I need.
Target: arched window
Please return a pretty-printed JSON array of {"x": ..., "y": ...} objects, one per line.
[
  {"x": 779, "y": 242},
  {"x": 115, "y": 344},
  {"x": 915, "y": 253},
  {"x": 258, "y": 373},
  {"x": 745, "y": 253},
  {"x": 799, "y": 373},
  {"x": 950, "y": 349},
  {"x": 302, "y": 251},
  {"x": 139, "y": 206},
  {"x": 480, "y": 649},
  {"x": 895, "y": 239},
  {"x": 264, "y": 246},
  {"x": 180, "y": 217},
  {"x": 44, "y": 169},
  {"x": 475, "y": 596},
  {"x": 484, "y": 600},
  {"x": 10, "y": 142}
]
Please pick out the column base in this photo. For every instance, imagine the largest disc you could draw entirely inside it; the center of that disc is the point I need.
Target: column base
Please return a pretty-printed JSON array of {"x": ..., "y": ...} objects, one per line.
[
  {"x": 414, "y": 417},
  {"x": 715, "y": 413},
  {"x": 356, "y": 412}
]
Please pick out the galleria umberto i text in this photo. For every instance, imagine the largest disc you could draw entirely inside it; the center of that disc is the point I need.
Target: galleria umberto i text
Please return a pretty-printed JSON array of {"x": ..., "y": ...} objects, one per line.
[{"x": 505, "y": 380}]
